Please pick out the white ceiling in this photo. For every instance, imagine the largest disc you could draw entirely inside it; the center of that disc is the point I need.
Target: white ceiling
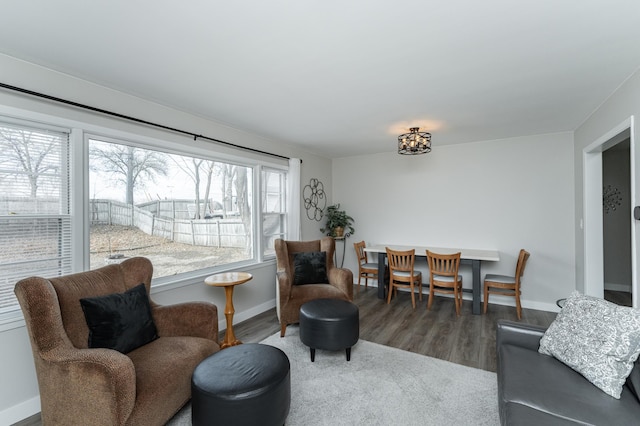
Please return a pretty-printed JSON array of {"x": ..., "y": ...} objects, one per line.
[{"x": 345, "y": 77}]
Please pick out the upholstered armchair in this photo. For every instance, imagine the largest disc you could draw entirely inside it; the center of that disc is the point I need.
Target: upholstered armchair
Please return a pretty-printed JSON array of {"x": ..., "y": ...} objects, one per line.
[
  {"x": 293, "y": 289},
  {"x": 97, "y": 386}
]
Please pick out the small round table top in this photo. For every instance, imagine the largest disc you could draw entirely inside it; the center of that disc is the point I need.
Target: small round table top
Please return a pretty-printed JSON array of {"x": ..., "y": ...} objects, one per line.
[{"x": 227, "y": 279}]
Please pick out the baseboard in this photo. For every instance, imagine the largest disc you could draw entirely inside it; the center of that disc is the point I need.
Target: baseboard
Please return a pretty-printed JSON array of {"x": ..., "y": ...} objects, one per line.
[
  {"x": 249, "y": 313},
  {"x": 617, "y": 287},
  {"x": 20, "y": 411},
  {"x": 497, "y": 300}
]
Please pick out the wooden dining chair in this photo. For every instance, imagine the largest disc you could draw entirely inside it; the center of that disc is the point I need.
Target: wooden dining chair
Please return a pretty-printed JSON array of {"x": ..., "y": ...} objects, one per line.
[
  {"x": 444, "y": 278},
  {"x": 366, "y": 269},
  {"x": 402, "y": 274},
  {"x": 506, "y": 285}
]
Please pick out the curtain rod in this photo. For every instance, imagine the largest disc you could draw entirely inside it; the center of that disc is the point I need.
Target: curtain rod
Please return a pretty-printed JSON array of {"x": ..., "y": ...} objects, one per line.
[{"x": 136, "y": 120}]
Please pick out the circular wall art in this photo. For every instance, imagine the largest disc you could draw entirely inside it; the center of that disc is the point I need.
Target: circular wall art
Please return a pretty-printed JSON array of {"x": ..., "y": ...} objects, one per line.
[{"x": 314, "y": 199}]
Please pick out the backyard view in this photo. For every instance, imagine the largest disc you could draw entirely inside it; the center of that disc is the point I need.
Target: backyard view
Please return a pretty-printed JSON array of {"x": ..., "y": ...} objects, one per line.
[
  {"x": 183, "y": 213},
  {"x": 169, "y": 258}
]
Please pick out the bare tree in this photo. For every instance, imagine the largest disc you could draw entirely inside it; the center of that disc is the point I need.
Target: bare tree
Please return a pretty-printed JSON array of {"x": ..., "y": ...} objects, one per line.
[
  {"x": 28, "y": 153},
  {"x": 227, "y": 172},
  {"x": 193, "y": 167},
  {"x": 209, "y": 167},
  {"x": 234, "y": 180},
  {"x": 127, "y": 164},
  {"x": 242, "y": 199}
]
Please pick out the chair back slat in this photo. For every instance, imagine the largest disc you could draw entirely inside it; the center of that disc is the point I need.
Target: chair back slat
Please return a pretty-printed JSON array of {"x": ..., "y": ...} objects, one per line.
[
  {"x": 362, "y": 255},
  {"x": 443, "y": 264},
  {"x": 401, "y": 260}
]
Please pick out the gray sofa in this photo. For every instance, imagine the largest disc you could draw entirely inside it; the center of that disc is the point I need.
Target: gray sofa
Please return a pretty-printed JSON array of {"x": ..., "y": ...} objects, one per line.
[{"x": 537, "y": 389}]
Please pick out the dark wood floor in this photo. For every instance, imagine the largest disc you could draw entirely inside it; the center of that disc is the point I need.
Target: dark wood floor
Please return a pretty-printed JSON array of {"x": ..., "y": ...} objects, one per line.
[
  {"x": 468, "y": 339},
  {"x": 622, "y": 298}
]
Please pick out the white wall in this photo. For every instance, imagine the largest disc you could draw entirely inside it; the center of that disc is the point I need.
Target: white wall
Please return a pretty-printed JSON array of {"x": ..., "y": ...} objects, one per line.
[
  {"x": 18, "y": 386},
  {"x": 504, "y": 195},
  {"x": 622, "y": 104}
]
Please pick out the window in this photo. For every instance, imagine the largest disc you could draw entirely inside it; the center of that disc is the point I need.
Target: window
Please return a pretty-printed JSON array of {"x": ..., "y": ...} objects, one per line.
[
  {"x": 274, "y": 184},
  {"x": 180, "y": 205},
  {"x": 184, "y": 213},
  {"x": 35, "y": 222}
]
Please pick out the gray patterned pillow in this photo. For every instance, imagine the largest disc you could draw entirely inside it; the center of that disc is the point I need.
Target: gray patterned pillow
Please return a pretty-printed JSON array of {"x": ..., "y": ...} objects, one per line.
[{"x": 596, "y": 338}]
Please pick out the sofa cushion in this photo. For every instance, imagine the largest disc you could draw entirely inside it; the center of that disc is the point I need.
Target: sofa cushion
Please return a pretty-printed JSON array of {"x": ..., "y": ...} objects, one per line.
[
  {"x": 533, "y": 386},
  {"x": 310, "y": 268},
  {"x": 163, "y": 376},
  {"x": 597, "y": 338},
  {"x": 120, "y": 321},
  {"x": 633, "y": 381}
]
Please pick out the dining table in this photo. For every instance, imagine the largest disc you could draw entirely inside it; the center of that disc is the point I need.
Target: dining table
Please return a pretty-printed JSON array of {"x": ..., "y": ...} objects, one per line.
[{"x": 473, "y": 257}]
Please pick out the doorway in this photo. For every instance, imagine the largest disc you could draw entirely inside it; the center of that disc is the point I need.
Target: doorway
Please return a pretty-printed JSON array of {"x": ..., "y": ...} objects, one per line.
[
  {"x": 602, "y": 184},
  {"x": 616, "y": 226}
]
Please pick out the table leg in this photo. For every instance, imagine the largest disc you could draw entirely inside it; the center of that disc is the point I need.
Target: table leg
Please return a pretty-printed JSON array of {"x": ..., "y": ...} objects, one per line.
[
  {"x": 475, "y": 266},
  {"x": 229, "y": 336},
  {"x": 381, "y": 281}
]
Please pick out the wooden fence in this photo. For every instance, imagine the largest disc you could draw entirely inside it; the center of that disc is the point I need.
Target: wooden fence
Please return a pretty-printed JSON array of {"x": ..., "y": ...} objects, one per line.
[{"x": 200, "y": 232}]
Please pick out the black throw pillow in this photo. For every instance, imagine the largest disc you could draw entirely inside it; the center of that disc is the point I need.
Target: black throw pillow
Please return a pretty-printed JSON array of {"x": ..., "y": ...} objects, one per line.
[
  {"x": 120, "y": 321},
  {"x": 310, "y": 268}
]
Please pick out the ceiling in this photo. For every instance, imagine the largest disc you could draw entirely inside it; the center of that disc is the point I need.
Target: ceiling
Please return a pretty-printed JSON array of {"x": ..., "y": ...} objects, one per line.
[{"x": 343, "y": 78}]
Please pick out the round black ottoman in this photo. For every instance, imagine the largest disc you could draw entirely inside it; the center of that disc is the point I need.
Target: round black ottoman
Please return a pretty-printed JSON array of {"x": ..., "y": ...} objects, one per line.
[
  {"x": 330, "y": 324},
  {"x": 242, "y": 385}
]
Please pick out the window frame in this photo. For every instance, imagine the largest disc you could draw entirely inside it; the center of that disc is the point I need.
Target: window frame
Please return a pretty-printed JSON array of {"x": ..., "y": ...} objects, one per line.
[
  {"x": 283, "y": 202},
  {"x": 138, "y": 136}
]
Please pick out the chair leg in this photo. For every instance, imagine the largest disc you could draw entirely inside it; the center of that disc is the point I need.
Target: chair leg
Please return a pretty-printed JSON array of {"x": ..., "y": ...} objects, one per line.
[
  {"x": 413, "y": 295},
  {"x": 359, "y": 278},
  {"x": 430, "y": 301},
  {"x": 486, "y": 297},
  {"x": 283, "y": 329},
  {"x": 518, "y": 307},
  {"x": 456, "y": 299},
  {"x": 390, "y": 291}
]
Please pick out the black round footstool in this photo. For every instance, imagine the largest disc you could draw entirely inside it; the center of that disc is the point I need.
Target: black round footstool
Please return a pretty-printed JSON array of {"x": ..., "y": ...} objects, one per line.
[
  {"x": 242, "y": 385},
  {"x": 330, "y": 324}
]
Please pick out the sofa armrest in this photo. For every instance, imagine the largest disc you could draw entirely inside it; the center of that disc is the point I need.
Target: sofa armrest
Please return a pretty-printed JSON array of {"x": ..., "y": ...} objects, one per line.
[
  {"x": 197, "y": 319},
  {"x": 515, "y": 333},
  {"x": 101, "y": 380}
]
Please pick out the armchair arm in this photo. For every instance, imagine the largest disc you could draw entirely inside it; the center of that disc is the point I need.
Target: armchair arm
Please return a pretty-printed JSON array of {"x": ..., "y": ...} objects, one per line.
[
  {"x": 515, "y": 333},
  {"x": 284, "y": 284},
  {"x": 197, "y": 319},
  {"x": 342, "y": 278},
  {"x": 103, "y": 381}
]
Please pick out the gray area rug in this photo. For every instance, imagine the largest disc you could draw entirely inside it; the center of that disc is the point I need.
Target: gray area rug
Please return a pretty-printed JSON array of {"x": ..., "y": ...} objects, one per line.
[{"x": 380, "y": 386}]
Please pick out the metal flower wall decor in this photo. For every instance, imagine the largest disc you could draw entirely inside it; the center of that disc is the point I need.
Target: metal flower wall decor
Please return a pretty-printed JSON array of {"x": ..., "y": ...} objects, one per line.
[
  {"x": 314, "y": 199},
  {"x": 611, "y": 198}
]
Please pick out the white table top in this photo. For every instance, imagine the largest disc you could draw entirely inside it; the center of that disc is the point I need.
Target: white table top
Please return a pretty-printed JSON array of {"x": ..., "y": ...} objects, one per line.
[{"x": 468, "y": 254}]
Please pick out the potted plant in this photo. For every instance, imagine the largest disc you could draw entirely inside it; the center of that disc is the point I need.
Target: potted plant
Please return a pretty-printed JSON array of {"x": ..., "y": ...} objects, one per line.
[{"x": 337, "y": 221}]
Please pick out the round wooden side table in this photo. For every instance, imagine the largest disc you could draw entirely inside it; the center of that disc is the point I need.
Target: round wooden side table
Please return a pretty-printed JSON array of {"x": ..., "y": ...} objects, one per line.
[{"x": 228, "y": 280}]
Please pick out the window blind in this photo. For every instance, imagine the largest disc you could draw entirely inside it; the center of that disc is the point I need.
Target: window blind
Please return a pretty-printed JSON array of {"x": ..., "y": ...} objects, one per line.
[{"x": 35, "y": 222}]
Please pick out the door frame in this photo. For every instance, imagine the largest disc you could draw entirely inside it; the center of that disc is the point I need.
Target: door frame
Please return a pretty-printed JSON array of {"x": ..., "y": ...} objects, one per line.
[{"x": 592, "y": 209}]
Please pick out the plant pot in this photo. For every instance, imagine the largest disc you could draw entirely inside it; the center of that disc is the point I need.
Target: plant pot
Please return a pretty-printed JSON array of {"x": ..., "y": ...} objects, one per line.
[{"x": 339, "y": 231}]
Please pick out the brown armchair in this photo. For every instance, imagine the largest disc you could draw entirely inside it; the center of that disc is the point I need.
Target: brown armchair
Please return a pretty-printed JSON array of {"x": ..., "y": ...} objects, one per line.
[
  {"x": 289, "y": 296},
  {"x": 82, "y": 386}
]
